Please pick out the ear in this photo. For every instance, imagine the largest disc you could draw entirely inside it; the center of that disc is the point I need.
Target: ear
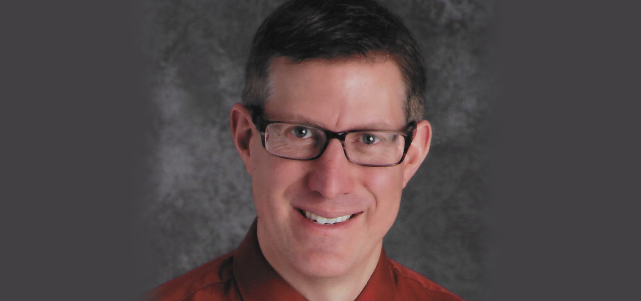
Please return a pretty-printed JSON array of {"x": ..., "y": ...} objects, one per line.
[
  {"x": 242, "y": 130},
  {"x": 417, "y": 151}
]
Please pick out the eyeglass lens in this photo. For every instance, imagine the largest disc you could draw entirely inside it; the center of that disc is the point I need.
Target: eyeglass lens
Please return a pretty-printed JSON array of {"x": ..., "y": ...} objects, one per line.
[{"x": 297, "y": 141}]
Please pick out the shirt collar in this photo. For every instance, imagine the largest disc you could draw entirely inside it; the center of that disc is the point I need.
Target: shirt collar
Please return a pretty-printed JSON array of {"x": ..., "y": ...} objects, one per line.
[{"x": 257, "y": 280}]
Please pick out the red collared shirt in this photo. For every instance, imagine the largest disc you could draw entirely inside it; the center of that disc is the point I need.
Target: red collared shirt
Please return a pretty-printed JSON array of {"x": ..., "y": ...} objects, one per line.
[{"x": 244, "y": 274}]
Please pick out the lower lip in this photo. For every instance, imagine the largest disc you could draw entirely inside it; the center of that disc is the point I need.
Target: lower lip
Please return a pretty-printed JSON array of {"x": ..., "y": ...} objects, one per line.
[{"x": 328, "y": 227}]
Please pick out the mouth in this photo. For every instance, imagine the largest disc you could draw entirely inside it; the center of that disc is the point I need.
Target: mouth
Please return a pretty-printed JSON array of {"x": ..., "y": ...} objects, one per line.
[{"x": 325, "y": 220}]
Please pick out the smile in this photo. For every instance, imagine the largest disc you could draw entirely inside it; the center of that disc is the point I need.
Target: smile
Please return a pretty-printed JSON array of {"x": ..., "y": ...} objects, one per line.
[{"x": 325, "y": 220}]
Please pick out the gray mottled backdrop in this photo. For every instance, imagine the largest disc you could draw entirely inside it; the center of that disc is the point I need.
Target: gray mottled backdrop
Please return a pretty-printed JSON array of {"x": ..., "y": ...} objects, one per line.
[{"x": 198, "y": 202}]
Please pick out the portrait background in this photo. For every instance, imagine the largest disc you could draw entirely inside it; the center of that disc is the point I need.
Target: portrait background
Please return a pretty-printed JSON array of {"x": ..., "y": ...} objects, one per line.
[{"x": 197, "y": 202}]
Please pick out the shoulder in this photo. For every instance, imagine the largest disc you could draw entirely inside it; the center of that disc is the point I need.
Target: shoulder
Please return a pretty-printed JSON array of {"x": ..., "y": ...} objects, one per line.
[
  {"x": 214, "y": 278},
  {"x": 413, "y": 286}
]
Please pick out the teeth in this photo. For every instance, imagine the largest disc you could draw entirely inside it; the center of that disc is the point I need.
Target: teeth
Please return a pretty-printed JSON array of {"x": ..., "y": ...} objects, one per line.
[{"x": 326, "y": 221}]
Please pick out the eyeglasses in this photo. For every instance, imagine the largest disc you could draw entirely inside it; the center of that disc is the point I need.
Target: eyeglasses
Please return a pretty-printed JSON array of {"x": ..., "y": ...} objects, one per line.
[{"x": 297, "y": 141}]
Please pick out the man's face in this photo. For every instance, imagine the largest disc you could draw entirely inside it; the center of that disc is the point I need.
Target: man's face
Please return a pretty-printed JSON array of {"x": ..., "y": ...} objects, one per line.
[{"x": 338, "y": 95}]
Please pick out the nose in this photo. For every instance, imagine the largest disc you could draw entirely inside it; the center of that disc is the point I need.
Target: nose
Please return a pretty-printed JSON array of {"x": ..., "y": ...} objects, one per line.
[{"x": 332, "y": 174}]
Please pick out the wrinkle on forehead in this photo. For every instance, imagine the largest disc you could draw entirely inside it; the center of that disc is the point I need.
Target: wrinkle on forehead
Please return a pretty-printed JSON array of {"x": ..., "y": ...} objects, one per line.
[
  {"x": 373, "y": 57},
  {"x": 327, "y": 79}
]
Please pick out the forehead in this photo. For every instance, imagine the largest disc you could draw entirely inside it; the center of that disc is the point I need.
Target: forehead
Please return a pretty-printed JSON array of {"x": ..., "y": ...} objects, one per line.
[{"x": 338, "y": 94}]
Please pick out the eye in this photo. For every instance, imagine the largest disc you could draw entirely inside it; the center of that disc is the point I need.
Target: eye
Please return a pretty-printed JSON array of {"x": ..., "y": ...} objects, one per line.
[
  {"x": 369, "y": 139},
  {"x": 301, "y": 132}
]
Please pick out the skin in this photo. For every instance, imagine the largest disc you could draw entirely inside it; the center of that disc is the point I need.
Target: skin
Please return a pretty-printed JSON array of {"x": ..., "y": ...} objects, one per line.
[{"x": 328, "y": 262}]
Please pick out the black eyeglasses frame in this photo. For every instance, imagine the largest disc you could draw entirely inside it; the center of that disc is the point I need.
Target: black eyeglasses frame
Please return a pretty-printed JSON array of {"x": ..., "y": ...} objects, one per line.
[{"x": 261, "y": 124}]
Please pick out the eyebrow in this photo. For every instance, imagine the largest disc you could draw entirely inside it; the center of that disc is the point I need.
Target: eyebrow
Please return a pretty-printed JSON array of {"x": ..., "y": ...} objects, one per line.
[{"x": 295, "y": 118}]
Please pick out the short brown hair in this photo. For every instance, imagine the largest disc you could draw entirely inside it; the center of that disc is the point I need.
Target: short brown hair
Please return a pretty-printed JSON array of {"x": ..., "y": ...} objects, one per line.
[{"x": 329, "y": 29}]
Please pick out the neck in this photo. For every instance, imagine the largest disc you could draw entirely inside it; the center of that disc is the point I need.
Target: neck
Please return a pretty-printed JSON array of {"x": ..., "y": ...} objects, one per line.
[
  {"x": 332, "y": 289},
  {"x": 345, "y": 287}
]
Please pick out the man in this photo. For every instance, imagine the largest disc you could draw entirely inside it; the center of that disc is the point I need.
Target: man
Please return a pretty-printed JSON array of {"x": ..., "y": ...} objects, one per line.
[{"x": 330, "y": 130}]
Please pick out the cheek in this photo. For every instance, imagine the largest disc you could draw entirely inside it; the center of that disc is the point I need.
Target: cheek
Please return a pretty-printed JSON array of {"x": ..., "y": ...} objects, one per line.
[
  {"x": 384, "y": 183},
  {"x": 260, "y": 178},
  {"x": 271, "y": 177},
  {"x": 386, "y": 187}
]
